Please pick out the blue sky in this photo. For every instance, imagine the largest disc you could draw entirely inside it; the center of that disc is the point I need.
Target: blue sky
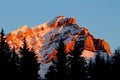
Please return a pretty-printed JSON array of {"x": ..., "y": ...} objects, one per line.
[{"x": 101, "y": 17}]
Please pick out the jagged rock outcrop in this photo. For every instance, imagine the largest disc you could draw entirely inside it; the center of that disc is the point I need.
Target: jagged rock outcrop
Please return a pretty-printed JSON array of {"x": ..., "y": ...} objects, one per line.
[
  {"x": 67, "y": 22},
  {"x": 62, "y": 21}
]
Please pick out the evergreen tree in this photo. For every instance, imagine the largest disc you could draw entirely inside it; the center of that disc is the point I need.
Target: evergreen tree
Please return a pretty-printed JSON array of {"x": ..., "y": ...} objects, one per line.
[
  {"x": 116, "y": 65},
  {"x": 90, "y": 69},
  {"x": 14, "y": 66},
  {"x": 61, "y": 61},
  {"x": 99, "y": 68},
  {"x": 99, "y": 71},
  {"x": 29, "y": 63},
  {"x": 57, "y": 71},
  {"x": 78, "y": 65},
  {"x": 5, "y": 53},
  {"x": 108, "y": 70}
]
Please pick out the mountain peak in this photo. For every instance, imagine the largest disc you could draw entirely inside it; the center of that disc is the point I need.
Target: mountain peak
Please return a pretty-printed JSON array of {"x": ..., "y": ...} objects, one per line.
[
  {"x": 61, "y": 21},
  {"x": 45, "y": 37}
]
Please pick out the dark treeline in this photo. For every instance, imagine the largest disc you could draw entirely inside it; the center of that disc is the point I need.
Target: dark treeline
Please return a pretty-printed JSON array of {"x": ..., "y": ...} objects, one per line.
[{"x": 24, "y": 64}]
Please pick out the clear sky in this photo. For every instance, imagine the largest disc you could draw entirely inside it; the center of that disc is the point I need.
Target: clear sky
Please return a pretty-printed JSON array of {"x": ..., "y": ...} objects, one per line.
[{"x": 101, "y": 17}]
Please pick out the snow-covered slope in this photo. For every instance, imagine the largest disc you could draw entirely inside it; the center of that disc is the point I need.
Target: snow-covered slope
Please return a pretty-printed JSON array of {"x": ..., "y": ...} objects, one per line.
[{"x": 45, "y": 37}]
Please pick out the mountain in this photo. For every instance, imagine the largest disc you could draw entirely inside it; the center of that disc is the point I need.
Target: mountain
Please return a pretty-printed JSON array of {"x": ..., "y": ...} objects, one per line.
[{"x": 45, "y": 37}]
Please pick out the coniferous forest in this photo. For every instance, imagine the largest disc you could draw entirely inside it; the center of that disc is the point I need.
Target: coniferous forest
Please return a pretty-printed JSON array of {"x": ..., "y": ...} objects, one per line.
[{"x": 24, "y": 65}]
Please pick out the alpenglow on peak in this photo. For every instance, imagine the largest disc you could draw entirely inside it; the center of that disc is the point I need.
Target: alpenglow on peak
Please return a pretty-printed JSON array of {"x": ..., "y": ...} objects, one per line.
[{"x": 45, "y": 37}]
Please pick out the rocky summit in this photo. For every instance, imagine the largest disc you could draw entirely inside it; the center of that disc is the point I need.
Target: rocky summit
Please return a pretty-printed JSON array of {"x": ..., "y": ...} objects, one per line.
[{"x": 45, "y": 37}]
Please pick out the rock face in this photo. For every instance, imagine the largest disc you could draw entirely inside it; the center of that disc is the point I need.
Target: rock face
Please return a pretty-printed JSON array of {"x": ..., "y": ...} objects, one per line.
[
  {"x": 62, "y": 21},
  {"x": 89, "y": 44},
  {"x": 45, "y": 37},
  {"x": 93, "y": 44},
  {"x": 101, "y": 44}
]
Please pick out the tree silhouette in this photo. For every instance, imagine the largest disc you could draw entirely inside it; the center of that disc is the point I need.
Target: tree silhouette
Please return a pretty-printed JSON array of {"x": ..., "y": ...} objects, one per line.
[
  {"x": 116, "y": 65},
  {"x": 57, "y": 71},
  {"x": 90, "y": 70},
  {"x": 14, "y": 66},
  {"x": 5, "y": 53},
  {"x": 61, "y": 61},
  {"x": 108, "y": 70},
  {"x": 100, "y": 67},
  {"x": 29, "y": 63},
  {"x": 78, "y": 68}
]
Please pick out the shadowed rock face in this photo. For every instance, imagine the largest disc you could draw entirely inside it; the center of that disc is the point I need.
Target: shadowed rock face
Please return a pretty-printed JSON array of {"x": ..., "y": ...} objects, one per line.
[
  {"x": 101, "y": 44},
  {"x": 45, "y": 37},
  {"x": 89, "y": 43}
]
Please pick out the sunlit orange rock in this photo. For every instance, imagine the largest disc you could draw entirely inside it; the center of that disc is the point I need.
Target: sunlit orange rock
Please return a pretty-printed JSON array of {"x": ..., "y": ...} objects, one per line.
[
  {"x": 69, "y": 46},
  {"x": 29, "y": 32},
  {"x": 71, "y": 21},
  {"x": 55, "y": 24},
  {"x": 10, "y": 36},
  {"x": 89, "y": 44}
]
